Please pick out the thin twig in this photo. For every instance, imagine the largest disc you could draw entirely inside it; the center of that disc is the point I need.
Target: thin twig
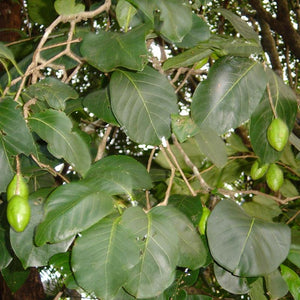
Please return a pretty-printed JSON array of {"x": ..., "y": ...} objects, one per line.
[
  {"x": 49, "y": 169},
  {"x": 187, "y": 160},
  {"x": 180, "y": 170},
  {"x": 58, "y": 295},
  {"x": 293, "y": 217},
  {"x": 102, "y": 145},
  {"x": 148, "y": 169},
  {"x": 271, "y": 100},
  {"x": 168, "y": 191}
]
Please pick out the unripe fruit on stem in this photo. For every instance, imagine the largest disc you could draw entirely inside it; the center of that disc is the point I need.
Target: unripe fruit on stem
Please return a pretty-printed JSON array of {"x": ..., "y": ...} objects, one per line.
[
  {"x": 17, "y": 186},
  {"x": 278, "y": 134},
  {"x": 258, "y": 171},
  {"x": 203, "y": 220},
  {"x": 274, "y": 177},
  {"x": 18, "y": 213}
]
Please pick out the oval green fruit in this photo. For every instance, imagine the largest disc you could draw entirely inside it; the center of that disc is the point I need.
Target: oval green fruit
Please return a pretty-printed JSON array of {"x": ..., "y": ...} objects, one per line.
[
  {"x": 258, "y": 171},
  {"x": 278, "y": 134},
  {"x": 17, "y": 186},
  {"x": 274, "y": 177},
  {"x": 203, "y": 220},
  {"x": 18, "y": 213}
]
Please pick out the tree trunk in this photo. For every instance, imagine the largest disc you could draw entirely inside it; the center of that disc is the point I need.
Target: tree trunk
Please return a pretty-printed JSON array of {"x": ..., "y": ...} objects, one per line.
[
  {"x": 10, "y": 18},
  {"x": 32, "y": 289}
]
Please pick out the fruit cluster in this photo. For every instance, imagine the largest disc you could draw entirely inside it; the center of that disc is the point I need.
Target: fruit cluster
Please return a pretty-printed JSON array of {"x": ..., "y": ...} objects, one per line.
[{"x": 18, "y": 209}]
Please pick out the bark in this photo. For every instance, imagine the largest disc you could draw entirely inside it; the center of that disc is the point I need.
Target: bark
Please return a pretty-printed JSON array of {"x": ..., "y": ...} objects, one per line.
[
  {"x": 32, "y": 289},
  {"x": 10, "y": 18},
  {"x": 281, "y": 24}
]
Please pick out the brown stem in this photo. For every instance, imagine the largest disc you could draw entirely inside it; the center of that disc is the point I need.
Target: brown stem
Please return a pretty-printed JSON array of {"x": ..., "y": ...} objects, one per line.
[{"x": 102, "y": 145}]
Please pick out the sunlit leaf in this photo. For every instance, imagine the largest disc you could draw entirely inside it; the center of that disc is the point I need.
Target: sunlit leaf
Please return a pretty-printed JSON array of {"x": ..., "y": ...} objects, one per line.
[
  {"x": 68, "y": 7},
  {"x": 292, "y": 279}
]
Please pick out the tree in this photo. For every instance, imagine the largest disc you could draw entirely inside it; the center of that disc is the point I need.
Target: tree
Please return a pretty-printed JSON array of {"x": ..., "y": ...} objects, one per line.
[{"x": 160, "y": 145}]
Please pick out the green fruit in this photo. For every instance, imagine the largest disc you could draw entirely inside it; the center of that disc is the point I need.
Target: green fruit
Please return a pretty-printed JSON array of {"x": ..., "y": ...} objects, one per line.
[
  {"x": 18, "y": 213},
  {"x": 258, "y": 171},
  {"x": 203, "y": 220},
  {"x": 278, "y": 134},
  {"x": 17, "y": 186},
  {"x": 274, "y": 177}
]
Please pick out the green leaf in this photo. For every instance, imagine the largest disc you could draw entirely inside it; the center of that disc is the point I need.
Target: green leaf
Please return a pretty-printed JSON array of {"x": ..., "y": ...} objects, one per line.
[
  {"x": 230, "y": 282},
  {"x": 292, "y": 279},
  {"x": 118, "y": 174},
  {"x": 244, "y": 245},
  {"x": 41, "y": 11},
  {"x": 56, "y": 129},
  {"x": 189, "y": 205},
  {"x": 70, "y": 209},
  {"x": 183, "y": 127},
  {"x": 52, "y": 91},
  {"x": 257, "y": 291},
  {"x": 275, "y": 285},
  {"x": 239, "y": 25},
  {"x": 158, "y": 247},
  {"x": 23, "y": 243},
  {"x": 143, "y": 103},
  {"x": 62, "y": 263},
  {"x": 227, "y": 99},
  {"x": 98, "y": 103},
  {"x": 129, "y": 49},
  {"x": 104, "y": 266},
  {"x": 262, "y": 207},
  {"x": 212, "y": 146},
  {"x": 5, "y": 257},
  {"x": 294, "y": 254},
  {"x": 15, "y": 138},
  {"x": 174, "y": 18},
  {"x": 14, "y": 275},
  {"x": 285, "y": 103},
  {"x": 235, "y": 144},
  {"x": 198, "y": 33},
  {"x": 68, "y": 7},
  {"x": 125, "y": 11}
]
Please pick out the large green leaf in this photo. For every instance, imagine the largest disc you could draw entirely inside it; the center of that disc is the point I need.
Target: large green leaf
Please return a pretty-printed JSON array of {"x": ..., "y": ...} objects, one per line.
[
  {"x": 212, "y": 146},
  {"x": 56, "y": 129},
  {"x": 125, "y": 12},
  {"x": 230, "y": 282},
  {"x": 68, "y": 7},
  {"x": 183, "y": 127},
  {"x": 6, "y": 255},
  {"x": 257, "y": 291},
  {"x": 52, "y": 91},
  {"x": 294, "y": 254},
  {"x": 129, "y": 49},
  {"x": 244, "y": 245},
  {"x": 285, "y": 103},
  {"x": 15, "y": 138},
  {"x": 23, "y": 243},
  {"x": 158, "y": 252},
  {"x": 71, "y": 209},
  {"x": 227, "y": 98},
  {"x": 240, "y": 25},
  {"x": 143, "y": 103},
  {"x": 118, "y": 174},
  {"x": 104, "y": 266},
  {"x": 98, "y": 103}
]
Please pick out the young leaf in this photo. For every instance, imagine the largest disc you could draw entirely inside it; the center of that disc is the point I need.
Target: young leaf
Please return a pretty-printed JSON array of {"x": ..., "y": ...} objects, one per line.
[
  {"x": 227, "y": 98},
  {"x": 244, "y": 245},
  {"x": 143, "y": 103},
  {"x": 125, "y": 12},
  {"x": 56, "y": 129}
]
